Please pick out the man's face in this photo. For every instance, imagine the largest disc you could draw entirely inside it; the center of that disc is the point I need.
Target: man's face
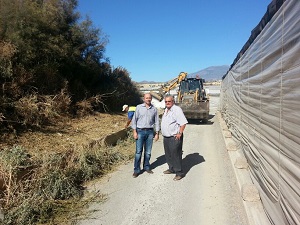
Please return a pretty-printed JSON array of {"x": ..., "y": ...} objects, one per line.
[
  {"x": 147, "y": 99},
  {"x": 169, "y": 102}
]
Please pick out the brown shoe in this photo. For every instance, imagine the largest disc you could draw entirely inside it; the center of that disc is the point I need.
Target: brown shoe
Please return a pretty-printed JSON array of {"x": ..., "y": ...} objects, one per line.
[
  {"x": 135, "y": 175},
  {"x": 168, "y": 172},
  {"x": 177, "y": 177},
  {"x": 149, "y": 171}
]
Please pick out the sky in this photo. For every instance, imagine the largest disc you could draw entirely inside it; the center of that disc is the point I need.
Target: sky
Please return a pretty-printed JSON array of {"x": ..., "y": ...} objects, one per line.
[{"x": 155, "y": 40}]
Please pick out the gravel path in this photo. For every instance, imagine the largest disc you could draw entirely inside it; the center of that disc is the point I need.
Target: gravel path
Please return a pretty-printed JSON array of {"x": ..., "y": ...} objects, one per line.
[{"x": 208, "y": 194}]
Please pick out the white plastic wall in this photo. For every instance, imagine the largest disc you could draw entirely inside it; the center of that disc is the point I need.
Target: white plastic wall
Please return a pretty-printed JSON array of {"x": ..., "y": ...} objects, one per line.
[{"x": 260, "y": 101}]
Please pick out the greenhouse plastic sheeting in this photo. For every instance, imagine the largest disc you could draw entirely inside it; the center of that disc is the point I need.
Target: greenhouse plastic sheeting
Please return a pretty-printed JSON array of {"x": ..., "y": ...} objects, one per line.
[{"x": 260, "y": 101}]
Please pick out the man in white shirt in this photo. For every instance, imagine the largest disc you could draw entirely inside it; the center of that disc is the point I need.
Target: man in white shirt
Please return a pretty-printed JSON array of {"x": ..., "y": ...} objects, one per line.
[{"x": 172, "y": 126}]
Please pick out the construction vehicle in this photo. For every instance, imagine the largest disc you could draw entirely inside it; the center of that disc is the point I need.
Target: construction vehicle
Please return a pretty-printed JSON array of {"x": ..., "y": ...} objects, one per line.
[
  {"x": 191, "y": 96},
  {"x": 175, "y": 82}
]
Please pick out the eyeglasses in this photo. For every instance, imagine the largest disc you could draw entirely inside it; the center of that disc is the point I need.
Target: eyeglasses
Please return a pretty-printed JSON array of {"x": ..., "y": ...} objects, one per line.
[{"x": 167, "y": 101}]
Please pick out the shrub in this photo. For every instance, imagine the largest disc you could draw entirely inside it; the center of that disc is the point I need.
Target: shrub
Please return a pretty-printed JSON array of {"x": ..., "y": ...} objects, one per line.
[{"x": 53, "y": 191}]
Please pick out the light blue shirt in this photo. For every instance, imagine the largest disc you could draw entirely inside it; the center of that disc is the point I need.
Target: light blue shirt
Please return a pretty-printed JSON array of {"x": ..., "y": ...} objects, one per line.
[
  {"x": 172, "y": 120},
  {"x": 145, "y": 117}
]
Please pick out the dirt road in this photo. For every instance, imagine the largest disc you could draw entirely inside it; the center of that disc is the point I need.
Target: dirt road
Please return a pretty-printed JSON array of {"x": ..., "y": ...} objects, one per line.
[{"x": 207, "y": 195}]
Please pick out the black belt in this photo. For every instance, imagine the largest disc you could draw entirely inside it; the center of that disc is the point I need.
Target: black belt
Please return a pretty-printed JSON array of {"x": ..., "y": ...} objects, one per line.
[{"x": 145, "y": 128}]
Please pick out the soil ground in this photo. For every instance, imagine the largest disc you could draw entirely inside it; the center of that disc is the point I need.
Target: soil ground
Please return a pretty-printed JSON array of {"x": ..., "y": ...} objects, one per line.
[{"x": 65, "y": 135}]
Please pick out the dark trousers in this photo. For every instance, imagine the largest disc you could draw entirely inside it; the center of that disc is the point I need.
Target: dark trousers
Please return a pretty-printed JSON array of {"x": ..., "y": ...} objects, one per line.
[{"x": 173, "y": 153}]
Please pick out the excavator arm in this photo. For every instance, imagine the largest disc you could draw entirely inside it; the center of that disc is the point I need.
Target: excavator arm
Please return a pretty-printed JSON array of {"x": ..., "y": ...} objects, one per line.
[{"x": 180, "y": 77}]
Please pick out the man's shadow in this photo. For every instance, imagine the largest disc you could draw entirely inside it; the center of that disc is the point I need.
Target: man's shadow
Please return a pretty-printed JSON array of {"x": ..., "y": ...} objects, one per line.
[
  {"x": 188, "y": 162},
  {"x": 191, "y": 160},
  {"x": 158, "y": 162}
]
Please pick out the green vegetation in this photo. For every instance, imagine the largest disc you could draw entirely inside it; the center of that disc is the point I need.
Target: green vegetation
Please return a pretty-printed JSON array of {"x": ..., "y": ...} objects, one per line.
[
  {"x": 52, "y": 67},
  {"x": 52, "y": 63},
  {"x": 48, "y": 188}
]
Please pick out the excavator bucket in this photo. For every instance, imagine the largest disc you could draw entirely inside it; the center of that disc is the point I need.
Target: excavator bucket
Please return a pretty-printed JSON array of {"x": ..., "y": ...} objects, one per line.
[{"x": 199, "y": 110}]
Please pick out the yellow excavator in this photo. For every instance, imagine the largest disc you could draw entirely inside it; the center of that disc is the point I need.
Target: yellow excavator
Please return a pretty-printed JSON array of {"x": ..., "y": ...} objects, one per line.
[
  {"x": 191, "y": 96},
  {"x": 175, "y": 83}
]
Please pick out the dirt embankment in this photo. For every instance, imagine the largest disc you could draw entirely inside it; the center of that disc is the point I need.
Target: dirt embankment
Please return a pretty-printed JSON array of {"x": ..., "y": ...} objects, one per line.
[{"x": 65, "y": 135}]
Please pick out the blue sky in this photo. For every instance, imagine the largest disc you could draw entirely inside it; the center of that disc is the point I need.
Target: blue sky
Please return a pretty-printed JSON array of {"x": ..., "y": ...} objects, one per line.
[{"x": 155, "y": 40}]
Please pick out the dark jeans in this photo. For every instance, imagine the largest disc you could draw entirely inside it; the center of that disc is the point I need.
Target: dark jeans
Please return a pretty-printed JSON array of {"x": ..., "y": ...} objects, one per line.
[{"x": 173, "y": 153}]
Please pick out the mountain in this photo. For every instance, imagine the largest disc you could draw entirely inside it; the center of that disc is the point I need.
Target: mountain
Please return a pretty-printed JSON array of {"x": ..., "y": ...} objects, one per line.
[{"x": 211, "y": 73}]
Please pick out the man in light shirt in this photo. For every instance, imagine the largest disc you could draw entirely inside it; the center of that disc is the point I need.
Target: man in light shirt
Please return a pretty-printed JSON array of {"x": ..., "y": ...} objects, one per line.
[
  {"x": 144, "y": 121},
  {"x": 172, "y": 126}
]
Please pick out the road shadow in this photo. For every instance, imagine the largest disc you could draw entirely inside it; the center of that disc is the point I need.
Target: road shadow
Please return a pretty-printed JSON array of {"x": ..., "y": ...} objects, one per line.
[
  {"x": 188, "y": 162},
  {"x": 191, "y": 160},
  {"x": 158, "y": 162},
  {"x": 202, "y": 122}
]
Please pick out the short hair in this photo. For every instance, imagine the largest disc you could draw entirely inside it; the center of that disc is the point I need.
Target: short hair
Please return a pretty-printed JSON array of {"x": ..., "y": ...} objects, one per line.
[
  {"x": 148, "y": 93},
  {"x": 169, "y": 96}
]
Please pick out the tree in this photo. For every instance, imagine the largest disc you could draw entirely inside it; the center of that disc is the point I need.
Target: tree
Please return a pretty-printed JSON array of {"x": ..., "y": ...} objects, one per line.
[{"x": 45, "y": 51}]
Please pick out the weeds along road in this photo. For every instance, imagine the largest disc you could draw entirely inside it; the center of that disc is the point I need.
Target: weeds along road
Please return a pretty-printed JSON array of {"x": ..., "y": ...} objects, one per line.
[{"x": 207, "y": 195}]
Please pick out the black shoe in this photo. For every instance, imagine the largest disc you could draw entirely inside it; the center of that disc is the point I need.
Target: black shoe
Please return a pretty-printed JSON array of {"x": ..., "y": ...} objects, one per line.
[
  {"x": 135, "y": 175},
  {"x": 149, "y": 171},
  {"x": 177, "y": 177},
  {"x": 168, "y": 172}
]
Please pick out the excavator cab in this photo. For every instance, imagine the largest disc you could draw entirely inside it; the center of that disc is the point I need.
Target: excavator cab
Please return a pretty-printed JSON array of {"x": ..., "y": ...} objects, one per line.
[
  {"x": 192, "y": 88},
  {"x": 190, "y": 85}
]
